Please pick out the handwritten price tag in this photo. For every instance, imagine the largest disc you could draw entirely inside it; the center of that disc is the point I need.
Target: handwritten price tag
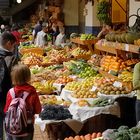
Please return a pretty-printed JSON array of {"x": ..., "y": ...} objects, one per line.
[
  {"x": 94, "y": 88},
  {"x": 126, "y": 47},
  {"x": 117, "y": 84}
]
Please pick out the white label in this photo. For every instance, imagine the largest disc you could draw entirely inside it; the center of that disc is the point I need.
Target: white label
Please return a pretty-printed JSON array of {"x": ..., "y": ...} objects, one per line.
[
  {"x": 126, "y": 47},
  {"x": 109, "y": 71},
  {"x": 117, "y": 84},
  {"x": 94, "y": 88}
]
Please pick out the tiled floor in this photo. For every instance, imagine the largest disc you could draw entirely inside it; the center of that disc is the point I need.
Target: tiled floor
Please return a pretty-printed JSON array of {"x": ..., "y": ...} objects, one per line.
[{"x": 38, "y": 134}]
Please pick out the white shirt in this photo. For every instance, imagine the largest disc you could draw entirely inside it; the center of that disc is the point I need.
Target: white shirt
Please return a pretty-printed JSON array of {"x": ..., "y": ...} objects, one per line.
[
  {"x": 60, "y": 39},
  {"x": 40, "y": 39}
]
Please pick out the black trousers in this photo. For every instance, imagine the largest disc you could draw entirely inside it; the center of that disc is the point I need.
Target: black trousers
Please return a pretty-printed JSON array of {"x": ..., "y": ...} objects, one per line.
[
  {"x": 138, "y": 111},
  {"x": 1, "y": 120}
]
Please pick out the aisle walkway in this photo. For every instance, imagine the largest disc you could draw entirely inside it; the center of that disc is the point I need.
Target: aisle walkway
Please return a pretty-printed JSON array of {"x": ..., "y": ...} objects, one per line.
[{"x": 37, "y": 134}]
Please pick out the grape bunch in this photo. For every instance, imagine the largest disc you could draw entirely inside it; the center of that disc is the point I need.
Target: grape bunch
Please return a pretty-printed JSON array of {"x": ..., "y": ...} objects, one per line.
[{"x": 55, "y": 112}]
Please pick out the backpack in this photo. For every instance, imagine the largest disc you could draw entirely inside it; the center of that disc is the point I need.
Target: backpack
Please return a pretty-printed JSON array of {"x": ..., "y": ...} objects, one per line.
[{"x": 16, "y": 119}]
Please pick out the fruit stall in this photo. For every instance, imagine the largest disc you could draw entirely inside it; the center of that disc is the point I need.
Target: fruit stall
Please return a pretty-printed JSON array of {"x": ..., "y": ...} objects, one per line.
[{"x": 91, "y": 91}]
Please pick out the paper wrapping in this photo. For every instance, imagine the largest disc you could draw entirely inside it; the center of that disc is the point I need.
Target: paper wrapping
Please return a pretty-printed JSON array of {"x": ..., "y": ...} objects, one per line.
[
  {"x": 84, "y": 113},
  {"x": 131, "y": 95},
  {"x": 65, "y": 94},
  {"x": 75, "y": 125}
]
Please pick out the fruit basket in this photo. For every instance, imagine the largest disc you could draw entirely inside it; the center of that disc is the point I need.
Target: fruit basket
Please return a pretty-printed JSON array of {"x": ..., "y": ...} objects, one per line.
[{"x": 32, "y": 50}]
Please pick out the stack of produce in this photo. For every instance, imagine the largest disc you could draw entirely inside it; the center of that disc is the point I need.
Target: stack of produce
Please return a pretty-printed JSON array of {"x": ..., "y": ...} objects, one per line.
[
  {"x": 55, "y": 112},
  {"x": 63, "y": 80},
  {"x": 87, "y": 137},
  {"x": 84, "y": 93},
  {"x": 82, "y": 89},
  {"x": 32, "y": 59},
  {"x": 81, "y": 53},
  {"x": 126, "y": 76},
  {"x": 95, "y": 60},
  {"x": 87, "y": 37},
  {"x": 80, "y": 68},
  {"x": 122, "y": 133},
  {"x": 49, "y": 99},
  {"x": 123, "y": 37},
  {"x": 52, "y": 100},
  {"x": 58, "y": 56},
  {"x": 109, "y": 89},
  {"x": 131, "y": 62},
  {"x": 46, "y": 87},
  {"x": 85, "y": 83},
  {"x": 112, "y": 63},
  {"x": 99, "y": 102}
]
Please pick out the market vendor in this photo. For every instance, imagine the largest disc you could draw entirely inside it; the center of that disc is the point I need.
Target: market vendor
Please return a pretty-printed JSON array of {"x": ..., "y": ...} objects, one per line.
[
  {"x": 136, "y": 86},
  {"x": 107, "y": 28},
  {"x": 41, "y": 39}
]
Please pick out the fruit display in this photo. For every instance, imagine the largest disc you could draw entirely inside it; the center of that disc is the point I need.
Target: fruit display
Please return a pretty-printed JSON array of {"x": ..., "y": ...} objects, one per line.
[
  {"x": 122, "y": 133},
  {"x": 84, "y": 93},
  {"x": 95, "y": 60},
  {"x": 80, "y": 68},
  {"x": 109, "y": 89},
  {"x": 32, "y": 59},
  {"x": 46, "y": 87},
  {"x": 93, "y": 136},
  {"x": 131, "y": 62},
  {"x": 85, "y": 83},
  {"x": 36, "y": 69},
  {"x": 58, "y": 55},
  {"x": 101, "y": 102},
  {"x": 49, "y": 99},
  {"x": 87, "y": 72},
  {"x": 81, "y": 53},
  {"x": 123, "y": 37},
  {"x": 87, "y": 37},
  {"x": 113, "y": 63},
  {"x": 126, "y": 76},
  {"x": 83, "y": 103},
  {"x": 137, "y": 42},
  {"x": 63, "y": 80},
  {"x": 55, "y": 112}
]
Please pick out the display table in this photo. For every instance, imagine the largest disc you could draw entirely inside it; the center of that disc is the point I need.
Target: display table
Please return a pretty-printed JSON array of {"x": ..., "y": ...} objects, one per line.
[
  {"x": 84, "y": 113},
  {"x": 51, "y": 129},
  {"x": 112, "y": 47},
  {"x": 88, "y": 43}
]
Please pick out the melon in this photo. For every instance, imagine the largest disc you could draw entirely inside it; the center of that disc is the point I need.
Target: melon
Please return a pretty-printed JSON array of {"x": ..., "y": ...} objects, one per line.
[
  {"x": 130, "y": 37},
  {"x": 123, "y": 37}
]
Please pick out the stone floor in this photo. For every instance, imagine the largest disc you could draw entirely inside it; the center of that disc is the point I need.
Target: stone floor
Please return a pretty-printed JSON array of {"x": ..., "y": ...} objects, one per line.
[{"x": 38, "y": 134}]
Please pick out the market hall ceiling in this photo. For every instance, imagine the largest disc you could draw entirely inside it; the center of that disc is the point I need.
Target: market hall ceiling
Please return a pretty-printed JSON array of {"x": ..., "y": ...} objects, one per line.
[{"x": 4, "y": 4}]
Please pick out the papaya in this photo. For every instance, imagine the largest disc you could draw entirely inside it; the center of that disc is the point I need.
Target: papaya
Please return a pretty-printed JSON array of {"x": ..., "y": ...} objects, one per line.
[
  {"x": 112, "y": 37},
  {"x": 130, "y": 37},
  {"x": 123, "y": 38}
]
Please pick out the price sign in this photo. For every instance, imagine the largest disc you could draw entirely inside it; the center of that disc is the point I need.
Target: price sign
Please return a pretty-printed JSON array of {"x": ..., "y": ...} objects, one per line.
[
  {"x": 117, "y": 84},
  {"x": 126, "y": 47},
  {"x": 94, "y": 88}
]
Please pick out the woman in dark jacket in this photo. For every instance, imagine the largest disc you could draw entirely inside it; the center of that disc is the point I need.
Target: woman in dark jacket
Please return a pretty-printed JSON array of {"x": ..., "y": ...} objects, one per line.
[{"x": 7, "y": 60}]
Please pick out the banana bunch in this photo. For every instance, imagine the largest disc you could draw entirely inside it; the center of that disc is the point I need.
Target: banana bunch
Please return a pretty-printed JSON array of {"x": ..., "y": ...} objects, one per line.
[{"x": 49, "y": 86}]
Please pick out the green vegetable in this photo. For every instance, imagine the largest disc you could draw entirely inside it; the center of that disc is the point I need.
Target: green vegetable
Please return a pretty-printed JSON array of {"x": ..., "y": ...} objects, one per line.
[{"x": 122, "y": 128}]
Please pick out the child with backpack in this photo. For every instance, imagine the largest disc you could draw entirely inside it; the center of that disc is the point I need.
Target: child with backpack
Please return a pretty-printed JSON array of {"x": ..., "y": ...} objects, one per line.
[{"x": 22, "y": 104}]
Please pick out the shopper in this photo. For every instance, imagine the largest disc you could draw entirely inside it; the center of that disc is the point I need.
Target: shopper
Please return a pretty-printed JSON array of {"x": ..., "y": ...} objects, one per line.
[
  {"x": 37, "y": 28},
  {"x": 21, "y": 77},
  {"x": 41, "y": 39},
  {"x": 15, "y": 32},
  {"x": 61, "y": 38},
  {"x": 7, "y": 60},
  {"x": 107, "y": 28},
  {"x": 136, "y": 86}
]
